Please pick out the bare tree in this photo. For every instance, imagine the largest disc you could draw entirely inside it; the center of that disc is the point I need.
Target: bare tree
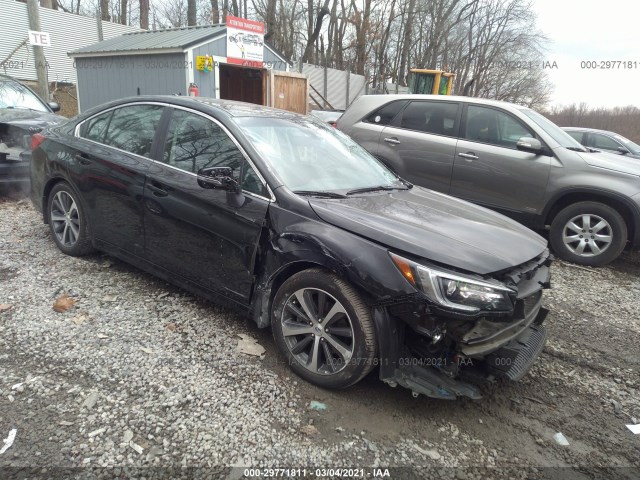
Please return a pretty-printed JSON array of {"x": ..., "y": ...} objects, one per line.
[
  {"x": 144, "y": 14},
  {"x": 191, "y": 12},
  {"x": 104, "y": 10},
  {"x": 215, "y": 12},
  {"x": 313, "y": 29}
]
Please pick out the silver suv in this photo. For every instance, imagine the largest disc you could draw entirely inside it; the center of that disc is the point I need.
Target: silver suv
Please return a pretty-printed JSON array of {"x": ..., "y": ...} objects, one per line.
[{"x": 508, "y": 158}]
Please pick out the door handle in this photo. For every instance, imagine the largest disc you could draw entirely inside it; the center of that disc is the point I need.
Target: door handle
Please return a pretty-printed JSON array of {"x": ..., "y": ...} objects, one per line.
[
  {"x": 392, "y": 141},
  {"x": 157, "y": 189},
  {"x": 83, "y": 158},
  {"x": 468, "y": 156}
]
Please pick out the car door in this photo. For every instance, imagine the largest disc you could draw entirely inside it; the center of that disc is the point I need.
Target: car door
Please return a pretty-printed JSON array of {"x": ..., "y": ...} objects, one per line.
[
  {"x": 112, "y": 156},
  {"x": 490, "y": 170},
  {"x": 420, "y": 143},
  {"x": 205, "y": 236}
]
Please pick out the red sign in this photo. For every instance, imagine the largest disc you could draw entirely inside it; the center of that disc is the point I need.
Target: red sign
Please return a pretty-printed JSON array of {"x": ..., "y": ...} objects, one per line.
[{"x": 244, "y": 24}]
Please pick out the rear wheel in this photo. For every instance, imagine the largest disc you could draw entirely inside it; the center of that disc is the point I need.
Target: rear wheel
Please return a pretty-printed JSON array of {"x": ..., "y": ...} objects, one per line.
[
  {"x": 588, "y": 233},
  {"x": 67, "y": 221},
  {"x": 324, "y": 328}
]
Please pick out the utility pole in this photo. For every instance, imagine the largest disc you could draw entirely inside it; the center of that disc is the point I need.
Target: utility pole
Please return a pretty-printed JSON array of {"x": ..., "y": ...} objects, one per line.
[{"x": 33, "y": 9}]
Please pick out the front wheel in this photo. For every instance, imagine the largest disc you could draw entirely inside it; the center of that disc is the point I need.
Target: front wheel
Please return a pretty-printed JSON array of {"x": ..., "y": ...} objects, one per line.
[
  {"x": 324, "y": 328},
  {"x": 588, "y": 233}
]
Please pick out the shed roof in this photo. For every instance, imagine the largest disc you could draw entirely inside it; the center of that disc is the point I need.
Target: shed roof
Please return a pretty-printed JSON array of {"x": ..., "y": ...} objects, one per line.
[{"x": 153, "y": 40}]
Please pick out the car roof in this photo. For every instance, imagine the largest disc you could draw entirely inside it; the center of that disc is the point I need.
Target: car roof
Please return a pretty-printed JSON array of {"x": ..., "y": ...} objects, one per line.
[
  {"x": 375, "y": 100},
  {"x": 582, "y": 129},
  {"x": 230, "y": 108},
  {"x": 6, "y": 78}
]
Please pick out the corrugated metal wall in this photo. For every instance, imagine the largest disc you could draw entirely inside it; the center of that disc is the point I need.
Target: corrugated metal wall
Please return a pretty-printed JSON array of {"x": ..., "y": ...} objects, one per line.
[
  {"x": 338, "y": 84},
  {"x": 102, "y": 79},
  {"x": 68, "y": 32}
]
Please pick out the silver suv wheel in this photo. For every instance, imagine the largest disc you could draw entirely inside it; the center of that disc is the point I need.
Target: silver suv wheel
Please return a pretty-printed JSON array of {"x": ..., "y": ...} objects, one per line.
[{"x": 587, "y": 235}]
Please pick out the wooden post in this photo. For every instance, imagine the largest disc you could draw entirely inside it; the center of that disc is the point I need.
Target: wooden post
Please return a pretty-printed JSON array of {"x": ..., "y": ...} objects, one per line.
[
  {"x": 33, "y": 10},
  {"x": 346, "y": 103}
]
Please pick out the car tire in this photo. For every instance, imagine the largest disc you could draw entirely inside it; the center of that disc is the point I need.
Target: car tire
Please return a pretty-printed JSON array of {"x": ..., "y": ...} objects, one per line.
[
  {"x": 573, "y": 241},
  {"x": 67, "y": 221},
  {"x": 331, "y": 352}
]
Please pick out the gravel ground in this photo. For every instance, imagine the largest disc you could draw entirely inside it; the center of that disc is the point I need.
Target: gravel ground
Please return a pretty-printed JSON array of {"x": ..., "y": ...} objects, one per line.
[{"x": 140, "y": 374}]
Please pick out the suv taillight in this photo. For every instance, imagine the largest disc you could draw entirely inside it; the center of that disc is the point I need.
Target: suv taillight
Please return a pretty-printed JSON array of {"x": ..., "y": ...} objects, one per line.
[{"x": 36, "y": 140}]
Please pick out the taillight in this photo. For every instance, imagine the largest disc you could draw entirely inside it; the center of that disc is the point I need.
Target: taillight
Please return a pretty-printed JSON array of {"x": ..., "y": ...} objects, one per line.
[{"x": 36, "y": 140}]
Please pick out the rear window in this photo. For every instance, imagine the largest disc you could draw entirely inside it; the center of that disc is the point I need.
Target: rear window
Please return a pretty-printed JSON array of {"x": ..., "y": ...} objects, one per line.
[
  {"x": 430, "y": 117},
  {"x": 132, "y": 128},
  {"x": 386, "y": 114}
]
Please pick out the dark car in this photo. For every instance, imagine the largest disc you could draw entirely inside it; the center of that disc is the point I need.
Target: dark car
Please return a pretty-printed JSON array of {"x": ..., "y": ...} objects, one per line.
[
  {"x": 604, "y": 140},
  {"x": 22, "y": 113},
  {"x": 508, "y": 158},
  {"x": 287, "y": 219}
]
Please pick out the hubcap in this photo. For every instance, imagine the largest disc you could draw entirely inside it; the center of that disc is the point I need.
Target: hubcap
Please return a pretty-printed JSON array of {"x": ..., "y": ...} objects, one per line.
[
  {"x": 318, "y": 331},
  {"x": 587, "y": 235},
  {"x": 65, "y": 219}
]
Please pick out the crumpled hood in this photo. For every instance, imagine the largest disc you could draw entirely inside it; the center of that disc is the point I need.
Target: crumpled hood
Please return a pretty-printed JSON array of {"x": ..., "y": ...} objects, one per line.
[
  {"x": 612, "y": 161},
  {"x": 28, "y": 118},
  {"x": 436, "y": 227}
]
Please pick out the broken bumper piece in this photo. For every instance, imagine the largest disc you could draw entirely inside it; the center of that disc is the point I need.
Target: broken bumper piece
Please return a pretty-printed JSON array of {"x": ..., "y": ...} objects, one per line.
[{"x": 512, "y": 361}]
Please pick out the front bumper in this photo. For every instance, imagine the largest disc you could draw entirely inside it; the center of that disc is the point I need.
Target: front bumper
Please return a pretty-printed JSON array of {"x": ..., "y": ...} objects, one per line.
[{"x": 449, "y": 357}]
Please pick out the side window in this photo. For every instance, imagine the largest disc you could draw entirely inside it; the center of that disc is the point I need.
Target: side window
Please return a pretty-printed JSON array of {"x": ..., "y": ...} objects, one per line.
[
  {"x": 132, "y": 128},
  {"x": 195, "y": 142},
  {"x": 430, "y": 117},
  {"x": 577, "y": 136},
  {"x": 384, "y": 115},
  {"x": 95, "y": 128},
  {"x": 597, "y": 140},
  {"x": 488, "y": 125}
]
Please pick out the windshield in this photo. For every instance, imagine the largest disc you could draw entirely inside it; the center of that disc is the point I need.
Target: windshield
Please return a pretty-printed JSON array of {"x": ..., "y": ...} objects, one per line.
[
  {"x": 563, "y": 138},
  {"x": 14, "y": 95},
  {"x": 631, "y": 146},
  {"x": 312, "y": 156}
]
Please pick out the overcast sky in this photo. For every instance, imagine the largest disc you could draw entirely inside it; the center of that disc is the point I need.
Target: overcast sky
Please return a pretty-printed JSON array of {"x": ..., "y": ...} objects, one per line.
[{"x": 592, "y": 30}]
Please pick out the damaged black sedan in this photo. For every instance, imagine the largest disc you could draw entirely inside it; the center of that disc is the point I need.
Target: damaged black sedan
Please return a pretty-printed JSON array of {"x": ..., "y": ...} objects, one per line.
[
  {"x": 292, "y": 222},
  {"x": 22, "y": 114}
]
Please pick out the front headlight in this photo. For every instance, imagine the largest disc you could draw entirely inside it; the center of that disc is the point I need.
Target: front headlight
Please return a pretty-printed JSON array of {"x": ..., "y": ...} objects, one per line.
[{"x": 456, "y": 291}]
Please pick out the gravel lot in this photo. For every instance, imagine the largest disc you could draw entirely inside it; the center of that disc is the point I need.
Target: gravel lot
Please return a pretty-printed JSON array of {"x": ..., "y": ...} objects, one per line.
[{"x": 141, "y": 374}]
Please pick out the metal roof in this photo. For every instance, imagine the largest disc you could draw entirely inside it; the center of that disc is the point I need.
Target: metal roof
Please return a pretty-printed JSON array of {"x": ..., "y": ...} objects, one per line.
[{"x": 154, "y": 40}]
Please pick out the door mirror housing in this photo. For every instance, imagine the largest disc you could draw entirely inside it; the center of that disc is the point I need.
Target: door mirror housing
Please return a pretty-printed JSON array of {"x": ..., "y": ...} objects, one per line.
[
  {"x": 54, "y": 106},
  {"x": 220, "y": 178},
  {"x": 529, "y": 144}
]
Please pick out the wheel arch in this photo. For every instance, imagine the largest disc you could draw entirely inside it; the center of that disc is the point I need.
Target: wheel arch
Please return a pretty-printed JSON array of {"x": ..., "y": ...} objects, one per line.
[
  {"x": 622, "y": 205},
  {"x": 52, "y": 182},
  {"x": 268, "y": 287}
]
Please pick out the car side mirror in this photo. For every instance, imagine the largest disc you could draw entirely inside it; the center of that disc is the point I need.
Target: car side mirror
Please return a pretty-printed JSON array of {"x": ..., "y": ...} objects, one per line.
[
  {"x": 220, "y": 178},
  {"x": 54, "y": 106},
  {"x": 623, "y": 150},
  {"x": 529, "y": 144}
]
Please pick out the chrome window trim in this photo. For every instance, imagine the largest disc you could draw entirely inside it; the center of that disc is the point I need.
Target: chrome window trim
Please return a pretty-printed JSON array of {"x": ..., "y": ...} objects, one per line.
[{"x": 180, "y": 107}]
